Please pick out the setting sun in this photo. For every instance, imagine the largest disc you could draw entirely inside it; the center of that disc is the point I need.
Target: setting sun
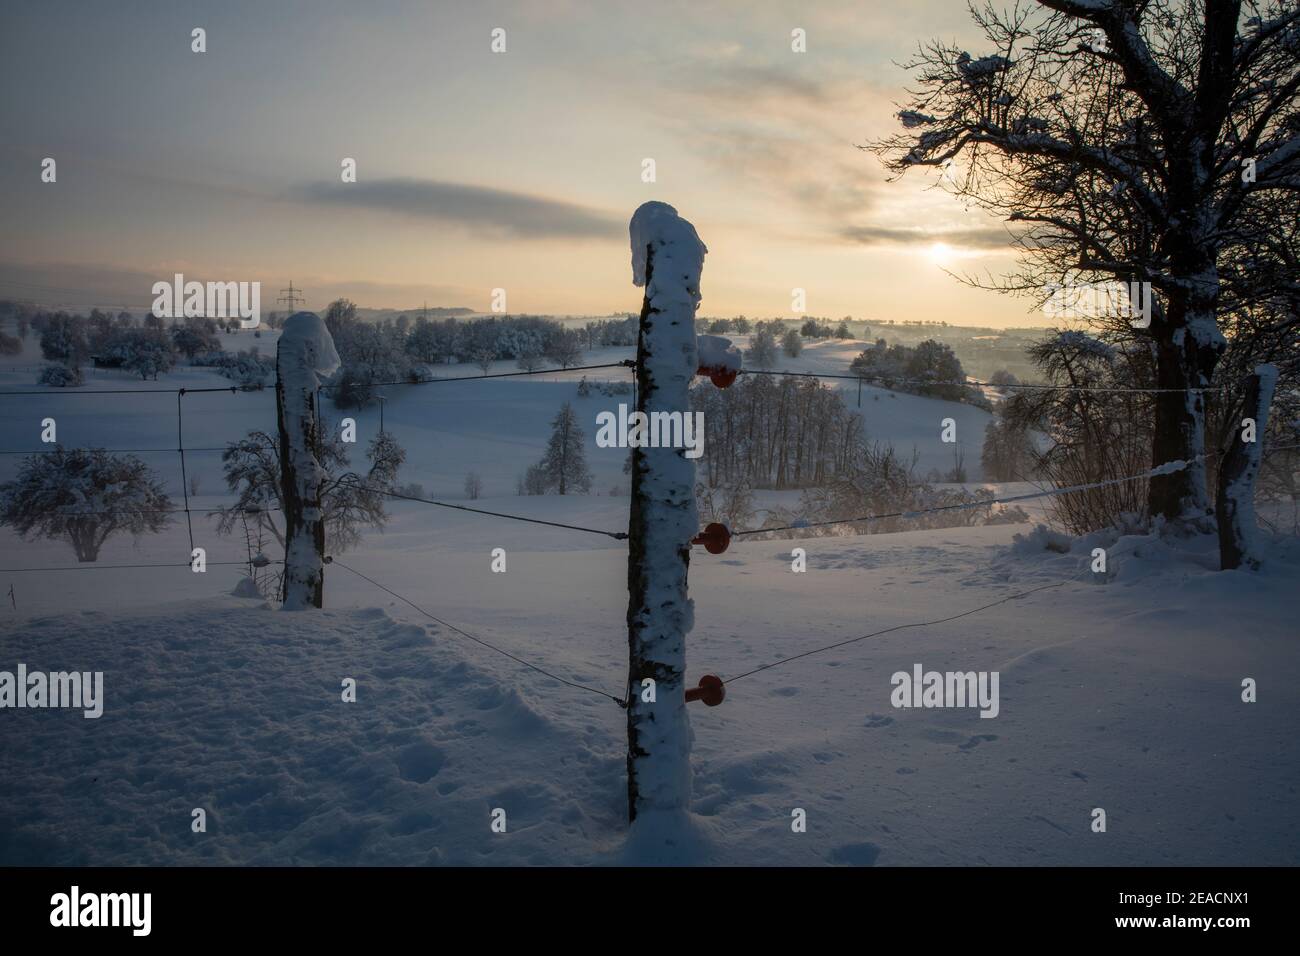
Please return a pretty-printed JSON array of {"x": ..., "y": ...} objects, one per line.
[{"x": 940, "y": 253}]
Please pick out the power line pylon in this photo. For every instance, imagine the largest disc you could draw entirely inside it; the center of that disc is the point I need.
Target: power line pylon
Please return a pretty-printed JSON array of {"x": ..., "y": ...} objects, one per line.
[{"x": 291, "y": 297}]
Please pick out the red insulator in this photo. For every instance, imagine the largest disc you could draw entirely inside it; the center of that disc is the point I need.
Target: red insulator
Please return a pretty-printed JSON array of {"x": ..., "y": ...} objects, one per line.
[
  {"x": 711, "y": 690},
  {"x": 715, "y": 537},
  {"x": 719, "y": 375}
]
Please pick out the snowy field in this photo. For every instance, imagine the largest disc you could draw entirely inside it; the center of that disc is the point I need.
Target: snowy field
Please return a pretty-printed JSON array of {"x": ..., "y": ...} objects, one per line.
[{"x": 1122, "y": 693}]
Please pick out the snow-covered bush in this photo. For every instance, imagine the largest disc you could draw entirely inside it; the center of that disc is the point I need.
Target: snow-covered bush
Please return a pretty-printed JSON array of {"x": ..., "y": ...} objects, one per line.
[
  {"x": 353, "y": 386},
  {"x": 1008, "y": 453},
  {"x": 732, "y": 505},
  {"x": 531, "y": 359},
  {"x": 534, "y": 481},
  {"x": 791, "y": 343},
  {"x": 147, "y": 352},
  {"x": 247, "y": 367},
  {"x": 60, "y": 376},
  {"x": 878, "y": 481},
  {"x": 195, "y": 338},
  {"x": 930, "y": 368},
  {"x": 85, "y": 495},
  {"x": 762, "y": 350},
  {"x": 63, "y": 338},
  {"x": 564, "y": 348},
  {"x": 1093, "y": 436}
]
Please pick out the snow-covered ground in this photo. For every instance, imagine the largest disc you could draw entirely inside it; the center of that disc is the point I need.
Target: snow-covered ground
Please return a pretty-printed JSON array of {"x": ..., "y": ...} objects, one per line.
[{"x": 1121, "y": 693}]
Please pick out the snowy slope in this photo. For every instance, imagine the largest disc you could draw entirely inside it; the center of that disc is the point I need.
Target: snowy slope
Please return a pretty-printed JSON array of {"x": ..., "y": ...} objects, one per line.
[
  {"x": 496, "y": 427},
  {"x": 1122, "y": 695}
]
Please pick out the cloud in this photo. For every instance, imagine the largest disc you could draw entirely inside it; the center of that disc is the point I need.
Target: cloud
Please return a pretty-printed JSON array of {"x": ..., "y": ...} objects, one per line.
[
  {"x": 782, "y": 133},
  {"x": 977, "y": 237},
  {"x": 82, "y": 286},
  {"x": 749, "y": 82},
  {"x": 480, "y": 209}
]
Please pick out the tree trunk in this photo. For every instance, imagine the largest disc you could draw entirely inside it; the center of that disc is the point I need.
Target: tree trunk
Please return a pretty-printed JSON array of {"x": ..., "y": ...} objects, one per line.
[
  {"x": 1238, "y": 536},
  {"x": 1186, "y": 354}
]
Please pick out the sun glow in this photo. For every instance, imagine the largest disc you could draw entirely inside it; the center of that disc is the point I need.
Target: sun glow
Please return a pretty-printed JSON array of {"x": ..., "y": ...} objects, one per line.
[{"x": 940, "y": 253}]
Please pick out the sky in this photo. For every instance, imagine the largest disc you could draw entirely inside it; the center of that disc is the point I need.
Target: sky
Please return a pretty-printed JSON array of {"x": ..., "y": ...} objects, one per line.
[{"x": 478, "y": 170}]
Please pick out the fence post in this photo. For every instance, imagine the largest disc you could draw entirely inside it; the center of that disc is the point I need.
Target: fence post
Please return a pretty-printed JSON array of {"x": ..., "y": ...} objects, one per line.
[
  {"x": 667, "y": 258},
  {"x": 1235, "y": 497},
  {"x": 304, "y": 354}
]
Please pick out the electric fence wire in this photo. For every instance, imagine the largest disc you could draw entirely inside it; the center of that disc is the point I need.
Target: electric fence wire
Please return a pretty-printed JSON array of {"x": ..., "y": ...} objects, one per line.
[{"x": 478, "y": 640}]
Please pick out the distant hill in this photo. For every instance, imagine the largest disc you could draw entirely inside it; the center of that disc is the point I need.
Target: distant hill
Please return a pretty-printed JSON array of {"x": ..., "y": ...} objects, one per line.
[{"x": 433, "y": 312}]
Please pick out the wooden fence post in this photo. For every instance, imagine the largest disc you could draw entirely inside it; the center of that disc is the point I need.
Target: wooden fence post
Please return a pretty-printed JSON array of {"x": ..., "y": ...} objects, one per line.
[
  {"x": 304, "y": 354},
  {"x": 1235, "y": 498},
  {"x": 667, "y": 258}
]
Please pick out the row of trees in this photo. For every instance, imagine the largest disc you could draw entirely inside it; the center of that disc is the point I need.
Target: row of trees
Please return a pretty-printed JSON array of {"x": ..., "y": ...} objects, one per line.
[
  {"x": 812, "y": 328},
  {"x": 772, "y": 432},
  {"x": 930, "y": 368},
  {"x": 398, "y": 349},
  {"x": 874, "y": 480},
  {"x": 147, "y": 348},
  {"x": 879, "y": 481}
]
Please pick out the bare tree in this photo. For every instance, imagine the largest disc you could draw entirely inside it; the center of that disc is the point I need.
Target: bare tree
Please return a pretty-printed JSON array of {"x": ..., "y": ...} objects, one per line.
[
  {"x": 1133, "y": 141},
  {"x": 530, "y": 360},
  {"x": 473, "y": 486},
  {"x": 350, "y": 500},
  {"x": 564, "y": 348}
]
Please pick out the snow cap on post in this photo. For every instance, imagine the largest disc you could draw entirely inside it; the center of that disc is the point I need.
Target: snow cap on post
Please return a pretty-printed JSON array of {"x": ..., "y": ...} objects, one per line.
[
  {"x": 678, "y": 254},
  {"x": 307, "y": 350},
  {"x": 305, "y": 355}
]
